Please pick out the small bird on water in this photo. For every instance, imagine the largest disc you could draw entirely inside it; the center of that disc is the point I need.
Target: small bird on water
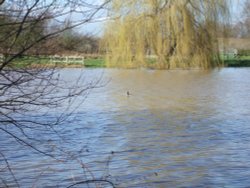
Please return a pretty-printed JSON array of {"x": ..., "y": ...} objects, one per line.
[{"x": 128, "y": 93}]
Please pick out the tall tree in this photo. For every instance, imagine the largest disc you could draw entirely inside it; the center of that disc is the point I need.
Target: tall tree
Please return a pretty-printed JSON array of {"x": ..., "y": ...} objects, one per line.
[{"x": 177, "y": 33}]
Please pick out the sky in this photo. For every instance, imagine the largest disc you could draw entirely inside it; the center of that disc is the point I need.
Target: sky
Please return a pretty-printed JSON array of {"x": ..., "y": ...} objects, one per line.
[
  {"x": 237, "y": 7},
  {"x": 95, "y": 26}
]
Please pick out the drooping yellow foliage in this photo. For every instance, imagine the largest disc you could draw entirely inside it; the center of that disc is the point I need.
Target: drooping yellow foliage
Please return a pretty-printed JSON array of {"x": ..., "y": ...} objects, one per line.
[{"x": 164, "y": 33}]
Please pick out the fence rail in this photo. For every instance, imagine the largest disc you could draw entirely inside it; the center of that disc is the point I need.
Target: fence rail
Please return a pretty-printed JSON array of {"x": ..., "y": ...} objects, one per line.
[
  {"x": 67, "y": 59},
  {"x": 56, "y": 59},
  {"x": 1, "y": 57}
]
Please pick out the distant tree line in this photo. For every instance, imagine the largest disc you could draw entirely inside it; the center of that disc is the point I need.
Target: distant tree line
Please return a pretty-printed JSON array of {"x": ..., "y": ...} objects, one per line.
[
  {"x": 241, "y": 29},
  {"x": 74, "y": 42},
  {"x": 36, "y": 27}
]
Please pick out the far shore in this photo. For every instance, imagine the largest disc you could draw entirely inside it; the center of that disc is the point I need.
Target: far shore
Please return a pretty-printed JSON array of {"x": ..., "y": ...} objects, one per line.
[{"x": 99, "y": 62}]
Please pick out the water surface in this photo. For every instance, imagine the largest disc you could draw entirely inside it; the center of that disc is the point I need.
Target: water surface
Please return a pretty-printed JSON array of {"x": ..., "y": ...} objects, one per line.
[{"x": 175, "y": 129}]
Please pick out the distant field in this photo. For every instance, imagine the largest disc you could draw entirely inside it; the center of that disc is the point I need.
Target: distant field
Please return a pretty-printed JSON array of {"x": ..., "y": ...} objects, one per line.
[
  {"x": 243, "y": 47},
  {"x": 45, "y": 61},
  {"x": 42, "y": 61},
  {"x": 242, "y": 61}
]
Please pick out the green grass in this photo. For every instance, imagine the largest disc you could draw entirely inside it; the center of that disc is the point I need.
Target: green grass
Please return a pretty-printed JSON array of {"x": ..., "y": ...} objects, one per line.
[
  {"x": 240, "y": 61},
  {"x": 91, "y": 63},
  {"x": 27, "y": 61},
  {"x": 94, "y": 63},
  {"x": 32, "y": 61}
]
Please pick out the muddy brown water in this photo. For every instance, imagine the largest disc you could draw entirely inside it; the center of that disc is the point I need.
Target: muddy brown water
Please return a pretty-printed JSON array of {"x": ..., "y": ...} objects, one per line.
[{"x": 174, "y": 129}]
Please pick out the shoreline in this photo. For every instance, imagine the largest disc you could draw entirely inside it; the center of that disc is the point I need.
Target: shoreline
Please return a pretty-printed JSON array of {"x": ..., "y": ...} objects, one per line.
[{"x": 100, "y": 63}]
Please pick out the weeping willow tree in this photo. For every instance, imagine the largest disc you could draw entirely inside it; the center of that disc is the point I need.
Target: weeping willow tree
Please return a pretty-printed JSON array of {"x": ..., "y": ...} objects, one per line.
[{"x": 165, "y": 33}]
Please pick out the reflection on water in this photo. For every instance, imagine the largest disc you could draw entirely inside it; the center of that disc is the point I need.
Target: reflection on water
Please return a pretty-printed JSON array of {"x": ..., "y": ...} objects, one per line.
[{"x": 176, "y": 129}]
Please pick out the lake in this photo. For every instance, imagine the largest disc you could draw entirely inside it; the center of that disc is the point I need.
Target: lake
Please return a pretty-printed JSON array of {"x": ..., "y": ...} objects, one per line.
[{"x": 175, "y": 129}]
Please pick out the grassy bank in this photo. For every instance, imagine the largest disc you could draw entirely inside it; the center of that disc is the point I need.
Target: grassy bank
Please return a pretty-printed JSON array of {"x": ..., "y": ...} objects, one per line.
[
  {"x": 45, "y": 61},
  {"x": 94, "y": 63},
  {"x": 241, "y": 61}
]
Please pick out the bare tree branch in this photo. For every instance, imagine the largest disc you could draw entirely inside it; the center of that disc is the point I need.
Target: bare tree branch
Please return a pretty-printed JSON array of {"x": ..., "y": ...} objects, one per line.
[
  {"x": 9, "y": 168},
  {"x": 27, "y": 92},
  {"x": 92, "y": 181}
]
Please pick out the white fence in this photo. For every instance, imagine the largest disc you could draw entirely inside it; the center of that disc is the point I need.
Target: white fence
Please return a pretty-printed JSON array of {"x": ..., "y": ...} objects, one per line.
[
  {"x": 67, "y": 59},
  {"x": 229, "y": 53},
  {"x": 1, "y": 57},
  {"x": 60, "y": 59}
]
